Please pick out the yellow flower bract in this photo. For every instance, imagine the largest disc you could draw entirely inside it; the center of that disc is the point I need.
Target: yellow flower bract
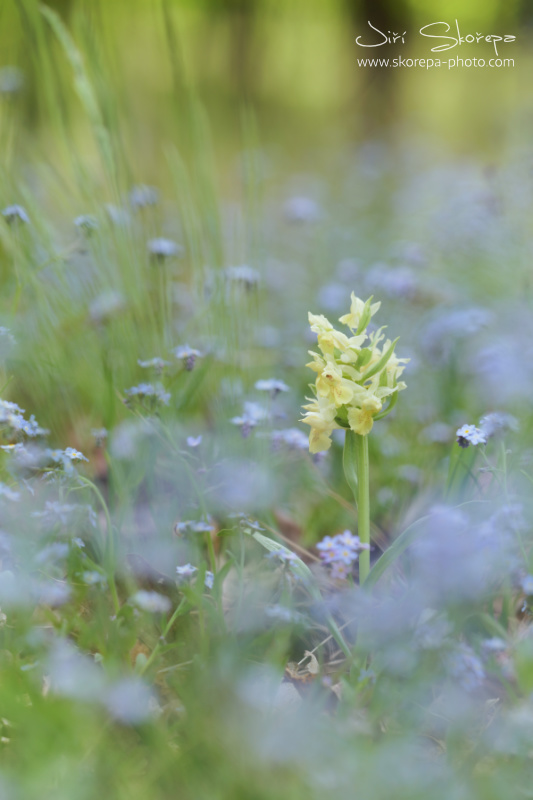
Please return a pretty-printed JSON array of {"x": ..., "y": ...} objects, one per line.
[{"x": 354, "y": 375}]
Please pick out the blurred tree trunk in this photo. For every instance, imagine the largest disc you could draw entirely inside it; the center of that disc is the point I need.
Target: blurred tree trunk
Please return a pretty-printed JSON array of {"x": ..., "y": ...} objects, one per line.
[
  {"x": 377, "y": 98},
  {"x": 240, "y": 14}
]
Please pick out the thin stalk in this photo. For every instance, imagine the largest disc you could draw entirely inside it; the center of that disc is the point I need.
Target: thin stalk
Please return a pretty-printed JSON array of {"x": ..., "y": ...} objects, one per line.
[
  {"x": 211, "y": 552},
  {"x": 363, "y": 503},
  {"x": 149, "y": 661},
  {"x": 109, "y": 549},
  {"x": 504, "y": 470}
]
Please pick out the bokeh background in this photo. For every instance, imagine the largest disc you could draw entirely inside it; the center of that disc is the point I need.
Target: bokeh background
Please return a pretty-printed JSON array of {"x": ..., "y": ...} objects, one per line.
[{"x": 294, "y": 63}]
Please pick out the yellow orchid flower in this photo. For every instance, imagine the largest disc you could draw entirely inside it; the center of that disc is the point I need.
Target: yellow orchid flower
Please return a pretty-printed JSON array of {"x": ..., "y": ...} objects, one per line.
[
  {"x": 331, "y": 383},
  {"x": 320, "y": 417},
  {"x": 353, "y": 379},
  {"x": 357, "y": 309},
  {"x": 361, "y": 419},
  {"x": 329, "y": 339}
]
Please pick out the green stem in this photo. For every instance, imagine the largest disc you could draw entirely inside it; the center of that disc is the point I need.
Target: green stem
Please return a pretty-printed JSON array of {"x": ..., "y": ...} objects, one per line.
[
  {"x": 363, "y": 503},
  {"x": 149, "y": 661},
  {"x": 504, "y": 470},
  {"x": 357, "y": 472},
  {"x": 211, "y": 552},
  {"x": 109, "y": 547}
]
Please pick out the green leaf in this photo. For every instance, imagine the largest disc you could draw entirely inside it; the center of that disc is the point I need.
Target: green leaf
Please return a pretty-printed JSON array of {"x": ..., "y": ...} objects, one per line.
[
  {"x": 382, "y": 361},
  {"x": 460, "y": 471},
  {"x": 349, "y": 461},
  {"x": 300, "y": 569},
  {"x": 303, "y": 572},
  {"x": 400, "y": 545}
]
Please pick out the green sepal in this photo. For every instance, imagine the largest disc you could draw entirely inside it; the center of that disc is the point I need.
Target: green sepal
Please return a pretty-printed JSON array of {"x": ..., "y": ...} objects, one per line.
[
  {"x": 382, "y": 361},
  {"x": 365, "y": 317},
  {"x": 364, "y": 357},
  {"x": 342, "y": 417},
  {"x": 382, "y": 379},
  {"x": 392, "y": 402}
]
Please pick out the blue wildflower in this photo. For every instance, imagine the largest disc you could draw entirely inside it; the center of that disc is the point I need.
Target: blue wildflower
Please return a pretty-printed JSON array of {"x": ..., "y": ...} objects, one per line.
[
  {"x": 340, "y": 552},
  {"x": 56, "y": 513},
  {"x": 188, "y": 355},
  {"x": 190, "y": 526},
  {"x": 186, "y": 572},
  {"x": 252, "y": 415},
  {"x": 156, "y": 394},
  {"x": 157, "y": 364},
  {"x": 7, "y": 334},
  {"x": 93, "y": 578},
  {"x": 497, "y": 422},
  {"x": 86, "y": 223},
  {"x": 340, "y": 570},
  {"x": 469, "y": 434},
  {"x": 271, "y": 385},
  {"x": 301, "y": 209},
  {"x": 8, "y": 493},
  {"x": 11, "y": 79},
  {"x": 15, "y": 213},
  {"x": 106, "y": 305},
  {"x": 142, "y": 196},
  {"x": 292, "y": 438},
  {"x": 162, "y": 248},
  {"x": 465, "y": 667},
  {"x": 244, "y": 275},
  {"x": 153, "y": 602},
  {"x": 99, "y": 435},
  {"x": 117, "y": 215},
  {"x": 284, "y": 615},
  {"x": 75, "y": 455},
  {"x": 284, "y": 556}
]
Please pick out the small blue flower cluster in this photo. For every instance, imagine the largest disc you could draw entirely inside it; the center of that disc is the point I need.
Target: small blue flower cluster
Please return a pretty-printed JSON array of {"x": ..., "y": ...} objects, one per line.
[
  {"x": 489, "y": 426},
  {"x": 271, "y": 385},
  {"x": 157, "y": 364},
  {"x": 283, "y": 555},
  {"x": 161, "y": 248},
  {"x": 13, "y": 424},
  {"x": 252, "y": 415},
  {"x": 186, "y": 572},
  {"x": 191, "y": 526},
  {"x": 341, "y": 552},
  {"x": 153, "y": 602},
  {"x": 156, "y": 394},
  {"x": 188, "y": 355},
  {"x": 469, "y": 434},
  {"x": 15, "y": 213},
  {"x": 291, "y": 438}
]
